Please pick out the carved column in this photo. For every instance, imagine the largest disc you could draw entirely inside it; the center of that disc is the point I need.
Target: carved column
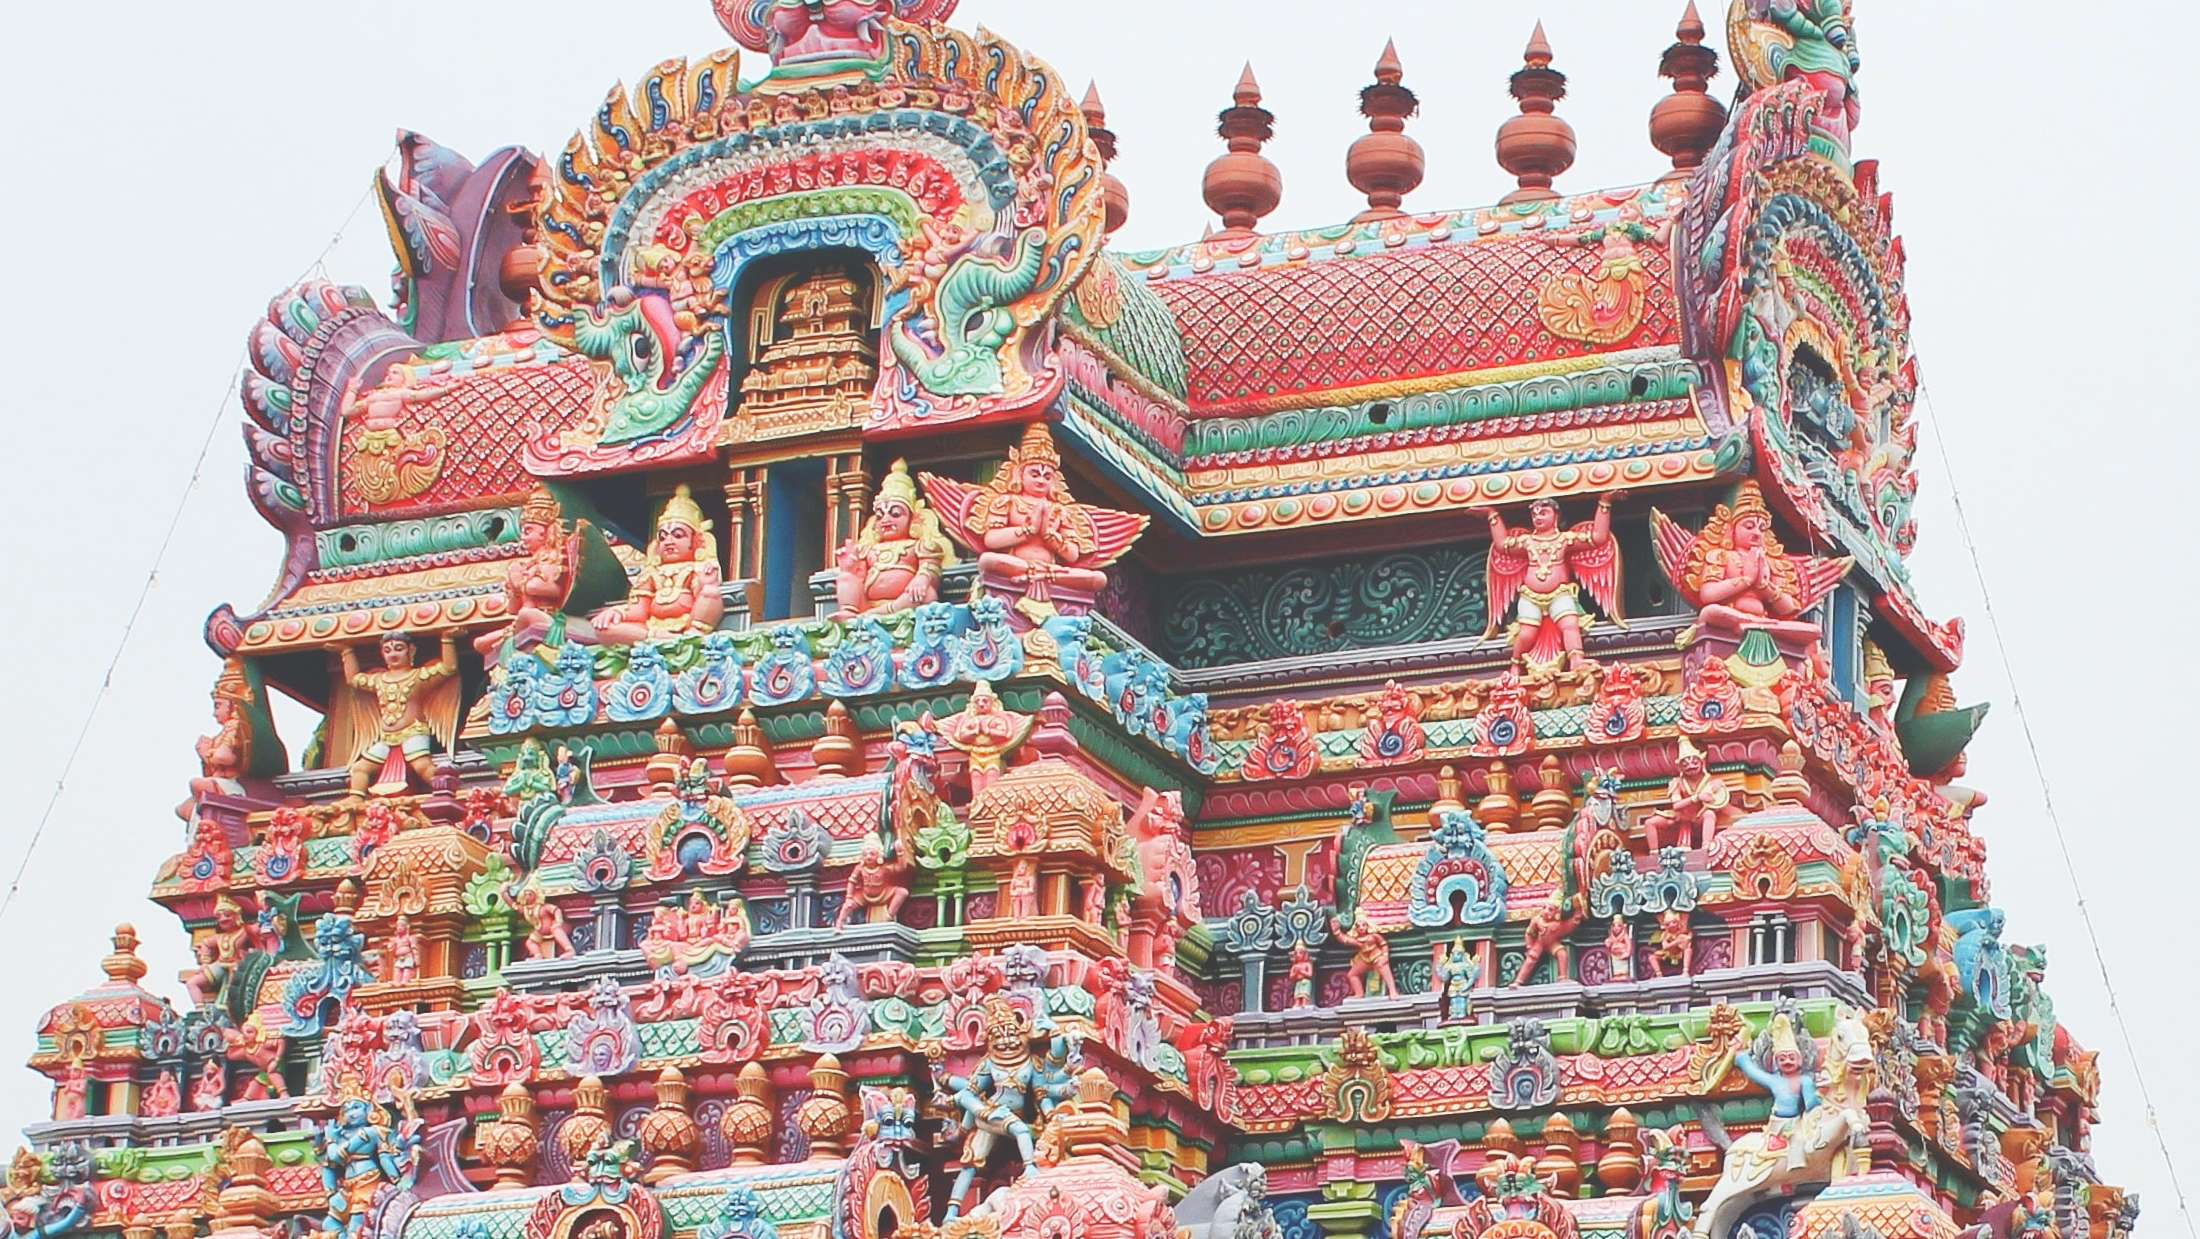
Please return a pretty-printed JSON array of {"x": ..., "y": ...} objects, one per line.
[{"x": 746, "y": 515}]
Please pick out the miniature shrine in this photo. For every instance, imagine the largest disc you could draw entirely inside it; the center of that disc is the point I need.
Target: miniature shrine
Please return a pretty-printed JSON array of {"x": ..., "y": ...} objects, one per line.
[{"x": 849, "y": 705}]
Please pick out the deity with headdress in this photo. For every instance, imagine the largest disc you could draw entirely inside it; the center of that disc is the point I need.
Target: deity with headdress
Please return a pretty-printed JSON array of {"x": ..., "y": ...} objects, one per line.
[
  {"x": 896, "y": 562},
  {"x": 1033, "y": 540},
  {"x": 1737, "y": 574},
  {"x": 676, "y": 594},
  {"x": 565, "y": 568}
]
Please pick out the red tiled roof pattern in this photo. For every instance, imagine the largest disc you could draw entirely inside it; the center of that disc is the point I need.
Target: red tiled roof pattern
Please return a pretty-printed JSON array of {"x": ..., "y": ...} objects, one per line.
[
  {"x": 1303, "y": 330},
  {"x": 485, "y": 420}
]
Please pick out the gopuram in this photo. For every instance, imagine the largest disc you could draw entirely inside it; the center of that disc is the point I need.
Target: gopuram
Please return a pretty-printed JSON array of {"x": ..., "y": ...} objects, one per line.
[{"x": 851, "y": 707}]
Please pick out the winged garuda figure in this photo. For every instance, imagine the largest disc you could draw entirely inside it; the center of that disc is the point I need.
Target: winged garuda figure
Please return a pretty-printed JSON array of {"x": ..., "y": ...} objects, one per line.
[
  {"x": 1738, "y": 576},
  {"x": 1031, "y": 537},
  {"x": 1537, "y": 575}
]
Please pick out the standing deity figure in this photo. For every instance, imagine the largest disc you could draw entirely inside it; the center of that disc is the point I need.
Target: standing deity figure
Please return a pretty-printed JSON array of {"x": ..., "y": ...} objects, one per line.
[
  {"x": 413, "y": 708},
  {"x": 540, "y": 587},
  {"x": 359, "y": 1156},
  {"x": 225, "y": 755},
  {"x": 218, "y": 951},
  {"x": 676, "y": 594},
  {"x": 1301, "y": 977},
  {"x": 1456, "y": 971},
  {"x": 1370, "y": 972},
  {"x": 1536, "y": 576},
  {"x": 985, "y": 733},
  {"x": 1012, "y": 1091},
  {"x": 404, "y": 951},
  {"x": 1023, "y": 890},
  {"x": 1737, "y": 574},
  {"x": 1699, "y": 804},
  {"x": 896, "y": 562},
  {"x": 1030, "y": 535}
]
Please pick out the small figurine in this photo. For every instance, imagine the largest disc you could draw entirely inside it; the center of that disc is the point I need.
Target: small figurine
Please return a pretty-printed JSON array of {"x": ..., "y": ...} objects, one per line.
[
  {"x": 1699, "y": 804},
  {"x": 251, "y": 1046},
  {"x": 1456, "y": 971},
  {"x": 1675, "y": 952},
  {"x": 413, "y": 707},
  {"x": 1536, "y": 576},
  {"x": 1301, "y": 977},
  {"x": 225, "y": 755},
  {"x": 877, "y": 887},
  {"x": 896, "y": 562},
  {"x": 676, "y": 594},
  {"x": 1737, "y": 574},
  {"x": 546, "y": 933},
  {"x": 1030, "y": 535},
  {"x": 72, "y": 1096},
  {"x": 1619, "y": 948},
  {"x": 985, "y": 733},
  {"x": 211, "y": 1091},
  {"x": 404, "y": 951},
  {"x": 163, "y": 1097},
  {"x": 219, "y": 950},
  {"x": 1023, "y": 890},
  {"x": 1370, "y": 974}
]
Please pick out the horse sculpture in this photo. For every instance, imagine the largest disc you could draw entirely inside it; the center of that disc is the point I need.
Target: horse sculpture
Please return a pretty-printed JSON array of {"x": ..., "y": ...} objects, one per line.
[{"x": 1815, "y": 1135}]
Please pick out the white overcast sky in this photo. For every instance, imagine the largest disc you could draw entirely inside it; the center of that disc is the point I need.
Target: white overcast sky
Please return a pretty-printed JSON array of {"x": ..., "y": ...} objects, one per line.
[{"x": 175, "y": 165}]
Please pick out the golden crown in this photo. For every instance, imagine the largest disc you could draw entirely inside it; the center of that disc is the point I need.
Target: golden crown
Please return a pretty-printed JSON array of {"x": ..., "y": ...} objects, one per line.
[{"x": 542, "y": 508}]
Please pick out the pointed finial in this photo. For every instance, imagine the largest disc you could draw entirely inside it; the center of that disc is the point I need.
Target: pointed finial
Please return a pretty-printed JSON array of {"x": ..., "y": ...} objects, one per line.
[
  {"x": 1243, "y": 185},
  {"x": 1686, "y": 124},
  {"x": 1115, "y": 196},
  {"x": 1386, "y": 165},
  {"x": 1536, "y": 146}
]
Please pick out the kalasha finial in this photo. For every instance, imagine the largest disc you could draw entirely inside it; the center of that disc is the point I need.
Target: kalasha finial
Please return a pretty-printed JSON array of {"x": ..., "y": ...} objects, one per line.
[
  {"x": 1386, "y": 165},
  {"x": 1686, "y": 124},
  {"x": 1243, "y": 185},
  {"x": 1536, "y": 146},
  {"x": 124, "y": 967},
  {"x": 1113, "y": 193}
]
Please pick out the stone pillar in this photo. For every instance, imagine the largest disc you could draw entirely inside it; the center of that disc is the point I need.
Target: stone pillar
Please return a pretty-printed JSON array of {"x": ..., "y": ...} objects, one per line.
[{"x": 746, "y": 504}]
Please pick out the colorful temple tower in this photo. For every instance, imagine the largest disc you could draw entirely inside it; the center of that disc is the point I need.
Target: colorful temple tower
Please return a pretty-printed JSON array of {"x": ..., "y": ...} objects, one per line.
[{"x": 851, "y": 707}]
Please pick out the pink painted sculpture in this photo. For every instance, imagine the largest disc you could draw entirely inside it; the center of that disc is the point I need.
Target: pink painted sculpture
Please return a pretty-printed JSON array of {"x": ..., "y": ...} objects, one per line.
[
  {"x": 1698, "y": 804},
  {"x": 1031, "y": 537},
  {"x": 1737, "y": 574},
  {"x": 676, "y": 594},
  {"x": 1537, "y": 575},
  {"x": 896, "y": 562}
]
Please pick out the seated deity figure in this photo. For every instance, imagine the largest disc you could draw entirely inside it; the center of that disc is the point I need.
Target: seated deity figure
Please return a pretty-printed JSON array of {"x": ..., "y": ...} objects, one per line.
[
  {"x": 1031, "y": 536},
  {"x": 1738, "y": 575},
  {"x": 896, "y": 562},
  {"x": 676, "y": 594},
  {"x": 1699, "y": 804},
  {"x": 218, "y": 953},
  {"x": 538, "y": 587},
  {"x": 412, "y": 707}
]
